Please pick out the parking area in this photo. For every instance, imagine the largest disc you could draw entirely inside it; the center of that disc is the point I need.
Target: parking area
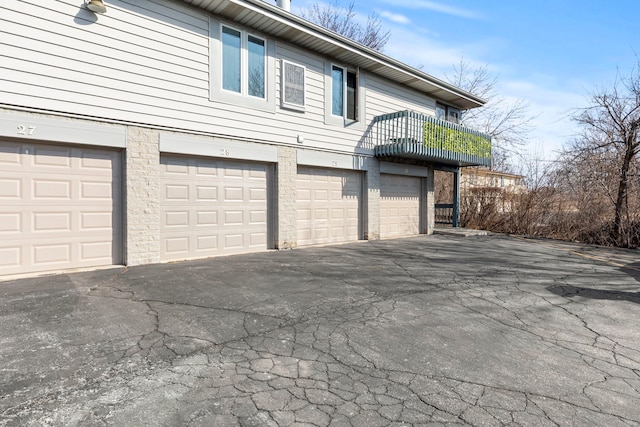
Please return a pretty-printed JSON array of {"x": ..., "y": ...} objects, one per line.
[{"x": 484, "y": 330}]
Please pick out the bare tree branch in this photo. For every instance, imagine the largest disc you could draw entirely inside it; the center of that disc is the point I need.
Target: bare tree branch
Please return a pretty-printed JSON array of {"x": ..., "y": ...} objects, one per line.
[
  {"x": 344, "y": 21},
  {"x": 507, "y": 122},
  {"x": 610, "y": 144}
]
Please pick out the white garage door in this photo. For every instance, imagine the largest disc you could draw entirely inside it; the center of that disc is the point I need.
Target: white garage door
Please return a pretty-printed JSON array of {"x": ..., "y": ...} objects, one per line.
[
  {"x": 328, "y": 205},
  {"x": 399, "y": 205},
  {"x": 212, "y": 207},
  {"x": 59, "y": 207}
]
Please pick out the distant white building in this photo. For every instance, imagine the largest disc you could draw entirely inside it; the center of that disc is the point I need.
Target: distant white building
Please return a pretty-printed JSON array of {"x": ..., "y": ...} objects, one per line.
[
  {"x": 477, "y": 178},
  {"x": 166, "y": 130}
]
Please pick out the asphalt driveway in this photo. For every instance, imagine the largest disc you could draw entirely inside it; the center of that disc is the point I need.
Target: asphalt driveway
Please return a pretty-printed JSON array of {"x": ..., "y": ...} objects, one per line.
[{"x": 431, "y": 330}]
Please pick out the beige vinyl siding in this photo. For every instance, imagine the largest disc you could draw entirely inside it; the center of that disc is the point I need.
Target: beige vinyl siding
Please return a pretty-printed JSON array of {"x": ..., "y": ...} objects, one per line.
[
  {"x": 386, "y": 97},
  {"x": 148, "y": 62},
  {"x": 311, "y": 124},
  {"x": 314, "y": 83}
]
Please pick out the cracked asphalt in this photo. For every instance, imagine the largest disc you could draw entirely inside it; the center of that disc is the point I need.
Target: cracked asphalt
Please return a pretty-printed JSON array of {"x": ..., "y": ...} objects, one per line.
[{"x": 433, "y": 330}]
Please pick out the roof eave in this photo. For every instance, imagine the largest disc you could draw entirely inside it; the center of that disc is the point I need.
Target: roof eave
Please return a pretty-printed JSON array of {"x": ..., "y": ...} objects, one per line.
[{"x": 312, "y": 36}]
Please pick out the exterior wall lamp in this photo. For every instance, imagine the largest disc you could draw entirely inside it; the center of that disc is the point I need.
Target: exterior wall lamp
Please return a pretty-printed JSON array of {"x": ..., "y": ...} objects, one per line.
[{"x": 96, "y": 6}]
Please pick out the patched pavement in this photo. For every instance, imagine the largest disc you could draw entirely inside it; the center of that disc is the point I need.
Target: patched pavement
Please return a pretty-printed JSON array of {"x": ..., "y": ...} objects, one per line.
[{"x": 434, "y": 330}]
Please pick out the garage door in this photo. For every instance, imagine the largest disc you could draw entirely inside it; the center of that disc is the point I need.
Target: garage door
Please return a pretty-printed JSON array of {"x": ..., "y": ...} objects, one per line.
[
  {"x": 328, "y": 205},
  {"x": 212, "y": 207},
  {"x": 399, "y": 205},
  {"x": 59, "y": 207}
]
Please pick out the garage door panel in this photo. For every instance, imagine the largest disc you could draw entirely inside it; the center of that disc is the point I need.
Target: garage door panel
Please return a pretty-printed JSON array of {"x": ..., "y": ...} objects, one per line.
[
  {"x": 10, "y": 258},
  {"x": 52, "y": 253},
  {"x": 10, "y": 222},
  {"x": 400, "y": 201},
  {"x": 59, "y": 209},
  {"x": 328, "y": 205},
  {"x": 96, "y": 220},
  {"x": 57, "y": 157},
  {"x": 95, "y": 250},
  {"x": 206, "y": 243},
  {"x": 212, "y": 207},
  {"x": 51, "y": 189},
  {"x": 10, "y": 188},
  {"x": 258, "y": 194},
  {"x": 176, "y": 192},
  {"x": 257, "y": 217},
  {"x": 51, "y": 221},
  {"x": 95, "y": 161},
  {"x": 234, "y": 218},
  {"x": 257, "y": 239},
  {"x": 95, "y": 190},
  {"x": 206, "y": 218},
  {"x": 206, "y": 193},
  {"x": 10, "y": 154}
]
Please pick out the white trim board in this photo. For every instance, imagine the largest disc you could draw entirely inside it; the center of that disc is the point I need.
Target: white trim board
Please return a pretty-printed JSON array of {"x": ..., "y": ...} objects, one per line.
[
  {"x": 402, "y": 169},
  {"x": 217, "y": 147},
  {"x": 31, "y": 127},
  {"x": 331, "y": 160}
]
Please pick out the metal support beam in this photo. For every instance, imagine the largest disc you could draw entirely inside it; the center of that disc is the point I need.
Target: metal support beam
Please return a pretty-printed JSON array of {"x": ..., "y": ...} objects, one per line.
[{"x": 456, "y": 198}]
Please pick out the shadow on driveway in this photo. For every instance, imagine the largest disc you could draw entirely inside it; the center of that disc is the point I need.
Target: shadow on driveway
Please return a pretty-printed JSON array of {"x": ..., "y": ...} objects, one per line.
[{"x": 569, "y": 291}]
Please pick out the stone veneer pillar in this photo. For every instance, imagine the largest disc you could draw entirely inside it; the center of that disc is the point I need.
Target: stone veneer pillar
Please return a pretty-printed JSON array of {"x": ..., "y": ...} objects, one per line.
[
  {"x": 430, "y": 201},
  {"x": 286, "y": 174},
  {"x": 372, "y": 209},
  {"x": 142, "y": 163}
]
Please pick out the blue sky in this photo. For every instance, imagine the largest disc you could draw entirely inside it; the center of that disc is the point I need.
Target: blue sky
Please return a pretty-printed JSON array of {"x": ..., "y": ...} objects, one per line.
[{"x": 552, "y": 53}]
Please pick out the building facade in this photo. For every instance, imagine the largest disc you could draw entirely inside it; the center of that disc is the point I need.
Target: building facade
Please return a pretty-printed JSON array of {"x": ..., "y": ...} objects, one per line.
[{"x": 167, "y": 130}]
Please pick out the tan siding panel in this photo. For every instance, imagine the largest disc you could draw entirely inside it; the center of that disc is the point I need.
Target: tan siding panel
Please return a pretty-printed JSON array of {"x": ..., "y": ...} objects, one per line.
[
  {"x": 127, "y": 36},
  {"x": 120, "y": 53},
  {"x": 385, "y": 97},
  {"x": 42, "y": 53}
]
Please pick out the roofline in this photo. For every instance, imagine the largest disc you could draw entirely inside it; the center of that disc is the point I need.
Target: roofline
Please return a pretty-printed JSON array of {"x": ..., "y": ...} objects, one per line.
[{"x": 339, "y": 40}]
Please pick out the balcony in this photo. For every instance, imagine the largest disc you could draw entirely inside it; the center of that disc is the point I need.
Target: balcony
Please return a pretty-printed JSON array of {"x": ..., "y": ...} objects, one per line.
[{"x": 409, "y": 135}]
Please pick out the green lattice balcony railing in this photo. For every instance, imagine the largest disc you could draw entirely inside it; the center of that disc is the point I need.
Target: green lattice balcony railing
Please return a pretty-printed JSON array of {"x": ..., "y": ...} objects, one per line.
[{"x": 407, "y": 134}]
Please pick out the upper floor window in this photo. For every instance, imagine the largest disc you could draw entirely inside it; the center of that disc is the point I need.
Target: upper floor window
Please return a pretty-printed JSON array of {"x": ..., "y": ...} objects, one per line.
[
  {"x": 344, "y": 93},
  {"x": 243, "y": 63},
  {"x": 450, "y": 114},
  {"x": 242, "y": 67}
]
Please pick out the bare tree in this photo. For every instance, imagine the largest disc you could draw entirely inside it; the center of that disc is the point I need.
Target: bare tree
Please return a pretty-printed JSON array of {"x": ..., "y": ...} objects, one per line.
[
  {"x": 343, "y": 20},
  {"x": 611, "y": 137},
  {"x": 507, "y": 122}
]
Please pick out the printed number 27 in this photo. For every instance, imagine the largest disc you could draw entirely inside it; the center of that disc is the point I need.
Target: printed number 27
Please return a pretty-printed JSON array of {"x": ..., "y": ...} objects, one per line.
[{"x": 26, "y": 130}]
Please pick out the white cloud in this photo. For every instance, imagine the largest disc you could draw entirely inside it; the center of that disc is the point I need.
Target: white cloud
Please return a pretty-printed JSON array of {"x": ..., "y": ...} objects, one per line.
[
  {"x": 395, "y": 17},
  {"x": 418, "y": 47},
  {"x": 435, "y": 7}
]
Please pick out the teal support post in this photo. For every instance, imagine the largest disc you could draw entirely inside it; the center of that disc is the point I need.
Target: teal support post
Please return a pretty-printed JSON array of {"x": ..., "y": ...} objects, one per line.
[{"x": 456, "y": 198}]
